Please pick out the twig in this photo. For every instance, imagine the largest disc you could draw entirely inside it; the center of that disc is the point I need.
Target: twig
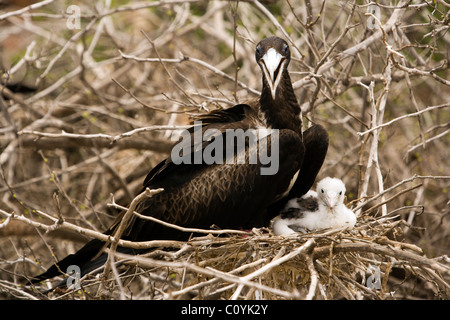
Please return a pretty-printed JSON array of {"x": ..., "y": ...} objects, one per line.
[
  {"x": 409, "y": 115},
  {"x": 314, "y": 278},
  {"x": 410, "y": 179},
  {"x": 391, "y": 198},
  {"x": 25, "y": 9},
  {"x": 300, "y": 250},
  {"x": 412, "y": 258},
  {"x": 373, "y": 152},
  {"x": 137, "y": 99},
  {"x": 273, "y": 20},
  {"x": 64, "y": 225},
  {"x": 214, "y": 280},
  {"x": 13, "y": 288},
  {"x": 438, "y": 136},
  {"x": 146, "y": 262},
  {"x": 185, "y": 58},
  {"x": 147, "y": 193},
  {"x": 363, "y": 45},
  {"x": 98, "y": 137},
  {"x": 7, "y": 220},
  {"x": 423, "y": 73}
]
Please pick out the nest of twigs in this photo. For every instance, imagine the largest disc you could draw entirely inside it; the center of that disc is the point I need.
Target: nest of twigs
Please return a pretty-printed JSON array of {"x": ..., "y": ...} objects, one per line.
[{"x": 369, "y": 262}]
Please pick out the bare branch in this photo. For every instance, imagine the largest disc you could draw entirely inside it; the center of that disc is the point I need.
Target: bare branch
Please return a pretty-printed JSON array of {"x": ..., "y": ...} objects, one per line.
[{"x": 414, "y": 114}]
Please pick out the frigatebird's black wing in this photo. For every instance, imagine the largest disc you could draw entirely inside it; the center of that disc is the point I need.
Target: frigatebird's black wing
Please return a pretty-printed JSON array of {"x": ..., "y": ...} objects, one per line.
[
  {"x": 220, "y": 118},
  {"x": 227, "y": 195}
]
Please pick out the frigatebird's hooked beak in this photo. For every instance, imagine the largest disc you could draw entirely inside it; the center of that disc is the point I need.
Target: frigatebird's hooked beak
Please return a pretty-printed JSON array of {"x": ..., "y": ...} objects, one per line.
[{"x": 272, "y": 64}]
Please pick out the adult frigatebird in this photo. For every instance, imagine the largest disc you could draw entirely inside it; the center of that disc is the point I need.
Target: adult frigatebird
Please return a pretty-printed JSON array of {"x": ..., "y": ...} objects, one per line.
[{"x": 227, "y": 195}]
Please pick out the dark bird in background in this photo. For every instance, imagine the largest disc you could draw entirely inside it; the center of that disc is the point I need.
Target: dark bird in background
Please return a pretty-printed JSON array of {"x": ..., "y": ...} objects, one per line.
[{"x": 230, "y": 196}]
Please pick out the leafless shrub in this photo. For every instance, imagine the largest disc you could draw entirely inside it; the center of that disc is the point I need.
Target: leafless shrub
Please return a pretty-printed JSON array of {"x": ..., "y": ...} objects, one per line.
[{"x": 114, "y": 82}]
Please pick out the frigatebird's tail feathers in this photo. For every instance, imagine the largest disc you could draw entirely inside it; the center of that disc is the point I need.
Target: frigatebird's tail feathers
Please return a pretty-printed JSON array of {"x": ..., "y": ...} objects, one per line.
[
  {"x": 87, "y": 259},
  {"x": 81, "y": 258}
]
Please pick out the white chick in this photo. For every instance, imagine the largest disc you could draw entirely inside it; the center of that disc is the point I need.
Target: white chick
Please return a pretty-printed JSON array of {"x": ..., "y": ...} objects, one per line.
[{"x": 316, "y": 210}]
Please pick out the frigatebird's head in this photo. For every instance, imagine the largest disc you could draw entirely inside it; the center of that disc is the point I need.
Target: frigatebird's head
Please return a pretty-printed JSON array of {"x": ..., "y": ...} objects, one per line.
[
  {"x": 273, "y": 56},
  {"x": 331, "y": 192}
]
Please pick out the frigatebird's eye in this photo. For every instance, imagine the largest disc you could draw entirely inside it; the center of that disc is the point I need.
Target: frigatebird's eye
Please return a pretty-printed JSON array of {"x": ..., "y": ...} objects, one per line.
[
  {"x": 285, "y": 49},
  {"x": 258, "y": 50}
]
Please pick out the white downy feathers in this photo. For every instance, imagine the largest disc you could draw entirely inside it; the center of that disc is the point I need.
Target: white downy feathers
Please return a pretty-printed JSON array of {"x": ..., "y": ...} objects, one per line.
[{"x": 318, "y": 210}]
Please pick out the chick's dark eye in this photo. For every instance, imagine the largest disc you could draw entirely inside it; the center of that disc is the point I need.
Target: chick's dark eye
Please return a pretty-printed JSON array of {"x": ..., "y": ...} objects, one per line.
[
  {"x": 321, "y": 190},
  {"x": 340, "y": 193}
]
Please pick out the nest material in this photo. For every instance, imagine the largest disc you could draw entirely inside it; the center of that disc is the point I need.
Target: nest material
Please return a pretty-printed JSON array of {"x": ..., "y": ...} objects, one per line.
[{"x": 368, "y": 262}]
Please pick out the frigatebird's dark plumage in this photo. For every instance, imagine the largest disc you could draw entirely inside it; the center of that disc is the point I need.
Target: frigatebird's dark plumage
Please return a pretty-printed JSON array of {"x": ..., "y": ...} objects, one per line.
[{"x": 228, "y": 195}]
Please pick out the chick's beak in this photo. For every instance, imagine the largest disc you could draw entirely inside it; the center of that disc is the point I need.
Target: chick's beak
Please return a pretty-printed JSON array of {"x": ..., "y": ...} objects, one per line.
[
  {"x": 272, "y": 64},
  {"x": 332, "y": 201}
]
